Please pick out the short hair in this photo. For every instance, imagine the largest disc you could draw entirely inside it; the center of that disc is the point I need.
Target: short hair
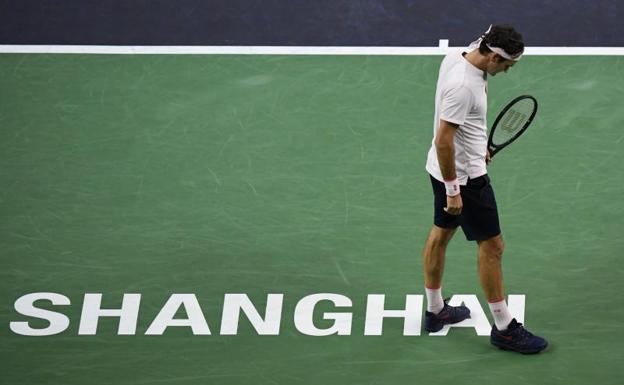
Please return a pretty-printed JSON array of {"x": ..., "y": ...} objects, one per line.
[{"x": 504, "y": 37}]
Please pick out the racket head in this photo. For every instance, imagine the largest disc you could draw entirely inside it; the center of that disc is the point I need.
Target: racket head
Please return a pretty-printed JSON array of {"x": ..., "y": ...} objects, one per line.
[{"x": 511, "y": 122}]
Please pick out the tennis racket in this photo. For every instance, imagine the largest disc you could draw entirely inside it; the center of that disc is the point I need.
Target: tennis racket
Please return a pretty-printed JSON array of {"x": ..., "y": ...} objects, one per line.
[{"x": 511, "y": 122}]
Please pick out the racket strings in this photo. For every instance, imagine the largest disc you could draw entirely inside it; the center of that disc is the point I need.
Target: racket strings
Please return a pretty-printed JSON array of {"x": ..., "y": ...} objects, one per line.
[{"x": 513, "y": 121}]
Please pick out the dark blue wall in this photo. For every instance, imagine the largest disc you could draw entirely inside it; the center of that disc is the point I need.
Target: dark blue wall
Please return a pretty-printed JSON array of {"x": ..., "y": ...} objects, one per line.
[{"x": 306, "y": 22}]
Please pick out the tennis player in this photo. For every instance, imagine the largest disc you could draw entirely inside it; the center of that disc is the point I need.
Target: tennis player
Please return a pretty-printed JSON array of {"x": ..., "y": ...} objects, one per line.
[{"x": 462, "y": 192}]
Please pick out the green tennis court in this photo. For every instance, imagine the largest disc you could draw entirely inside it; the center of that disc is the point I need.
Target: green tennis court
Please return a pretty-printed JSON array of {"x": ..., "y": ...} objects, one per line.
[{"x": 296, "y": 175}]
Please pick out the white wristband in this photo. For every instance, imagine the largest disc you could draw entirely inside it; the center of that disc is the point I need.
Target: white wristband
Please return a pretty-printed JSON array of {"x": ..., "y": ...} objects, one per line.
[{"x": 452, "y": 187}]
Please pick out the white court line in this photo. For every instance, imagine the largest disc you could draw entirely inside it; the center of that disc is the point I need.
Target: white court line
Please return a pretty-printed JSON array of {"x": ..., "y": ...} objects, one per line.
[{"x": 442, "y": 49}]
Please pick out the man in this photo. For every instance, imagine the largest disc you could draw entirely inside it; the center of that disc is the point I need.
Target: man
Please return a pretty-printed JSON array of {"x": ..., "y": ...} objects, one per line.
[{"x": 463, "y": 195}]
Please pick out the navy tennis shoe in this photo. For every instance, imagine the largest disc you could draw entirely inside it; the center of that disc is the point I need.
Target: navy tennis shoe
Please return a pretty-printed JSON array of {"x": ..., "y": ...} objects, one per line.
[
  {"x": 448, "y": 315},
  {"x": 516, "y": 338}
]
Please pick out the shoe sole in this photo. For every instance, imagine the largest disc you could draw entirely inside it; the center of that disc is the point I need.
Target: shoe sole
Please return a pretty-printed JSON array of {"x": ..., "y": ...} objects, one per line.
[
  {"x": 511, "y": 349},
  {"x": 441, "y": 325},
  {"x": 434, "y": 330}
]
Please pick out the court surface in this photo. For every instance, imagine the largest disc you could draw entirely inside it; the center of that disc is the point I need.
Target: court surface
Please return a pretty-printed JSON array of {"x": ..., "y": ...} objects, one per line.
[{"x": 296, "y": 175}]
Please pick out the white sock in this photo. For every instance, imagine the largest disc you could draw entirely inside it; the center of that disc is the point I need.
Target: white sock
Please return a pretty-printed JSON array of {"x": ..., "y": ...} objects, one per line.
[
  {"x": 502, "y": 316},
  {"x": 435, "y": 302}
]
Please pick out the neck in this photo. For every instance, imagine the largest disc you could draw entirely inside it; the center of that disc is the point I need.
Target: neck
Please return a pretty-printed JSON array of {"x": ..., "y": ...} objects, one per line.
[{"x": 476, "y": 59}]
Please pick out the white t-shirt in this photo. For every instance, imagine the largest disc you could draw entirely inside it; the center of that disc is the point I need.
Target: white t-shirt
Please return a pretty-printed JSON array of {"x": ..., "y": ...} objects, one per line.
[{"x": 461, "y": 98}]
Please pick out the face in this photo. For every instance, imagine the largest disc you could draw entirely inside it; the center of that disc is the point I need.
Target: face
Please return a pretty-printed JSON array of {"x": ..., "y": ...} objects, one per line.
[{"x": 498, "y": 64}]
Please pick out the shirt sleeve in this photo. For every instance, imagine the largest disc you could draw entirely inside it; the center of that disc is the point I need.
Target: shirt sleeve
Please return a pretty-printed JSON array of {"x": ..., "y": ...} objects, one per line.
[{"x": 455, "y": 104}]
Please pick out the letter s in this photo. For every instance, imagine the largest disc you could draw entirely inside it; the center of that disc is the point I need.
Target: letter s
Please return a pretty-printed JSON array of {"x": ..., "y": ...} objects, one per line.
[{"x": 25, "y": 306}]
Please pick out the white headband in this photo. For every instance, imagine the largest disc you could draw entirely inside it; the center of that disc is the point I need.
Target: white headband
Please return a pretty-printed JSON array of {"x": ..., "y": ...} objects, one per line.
[{"x": 475, "y": 45}]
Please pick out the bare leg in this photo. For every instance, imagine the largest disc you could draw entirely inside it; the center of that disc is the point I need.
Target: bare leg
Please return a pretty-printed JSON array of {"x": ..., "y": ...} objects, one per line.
[
  {"x": 507, "y": 334},
  {"x": 490, "y": 271},
  {"x": 438, "y": 313},
  {"x": 433, "y": 255}
]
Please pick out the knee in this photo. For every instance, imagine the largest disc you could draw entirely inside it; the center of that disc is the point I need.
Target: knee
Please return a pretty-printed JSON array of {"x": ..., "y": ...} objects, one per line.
[
  {"x": 437, "y": 242},
  {"x": 440, "y": 237},
  {"x": 498, "y": 247},
  {"x": 493, "y": 249}
]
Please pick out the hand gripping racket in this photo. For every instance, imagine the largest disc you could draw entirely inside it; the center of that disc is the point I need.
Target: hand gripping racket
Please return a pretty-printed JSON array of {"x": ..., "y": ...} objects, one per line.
[{"x": 511, "y": 122}]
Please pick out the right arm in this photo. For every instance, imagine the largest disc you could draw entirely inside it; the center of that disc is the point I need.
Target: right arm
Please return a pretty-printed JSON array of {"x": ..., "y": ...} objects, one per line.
[
  {"x": 454, "y": 107},
  {"x": 445, "y": 149}
]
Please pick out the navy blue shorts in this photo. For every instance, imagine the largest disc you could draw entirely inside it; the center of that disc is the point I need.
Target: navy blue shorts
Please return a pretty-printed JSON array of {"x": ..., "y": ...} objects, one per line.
[{"x": 479, "y": 216}]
